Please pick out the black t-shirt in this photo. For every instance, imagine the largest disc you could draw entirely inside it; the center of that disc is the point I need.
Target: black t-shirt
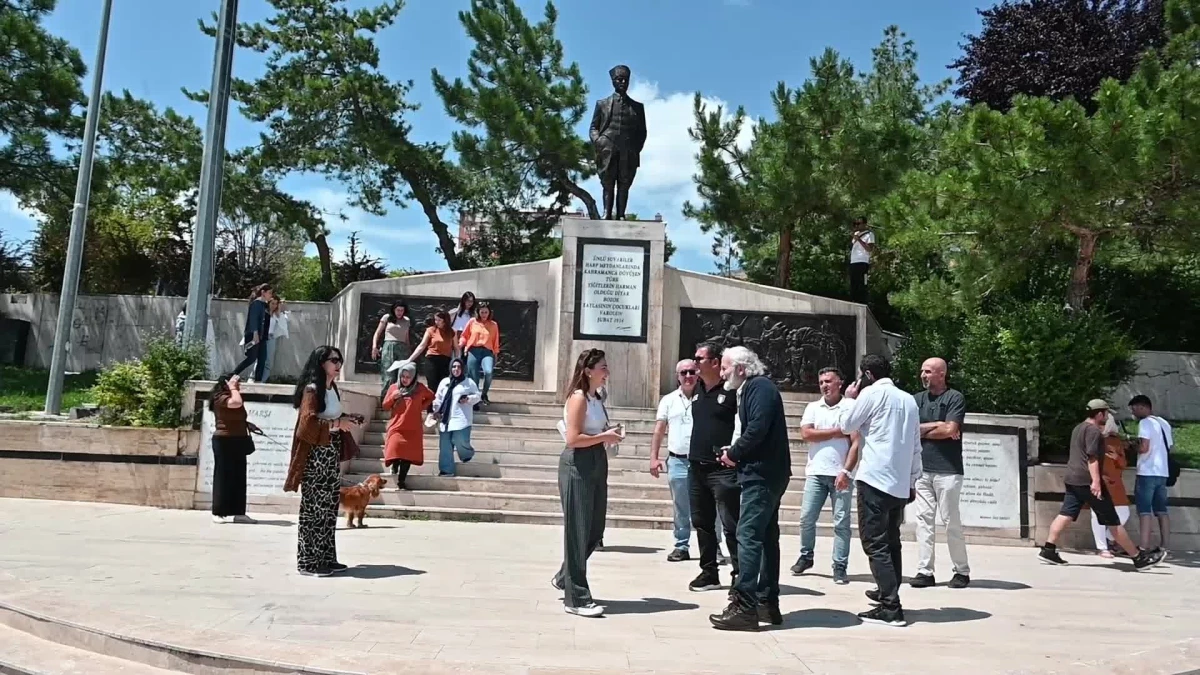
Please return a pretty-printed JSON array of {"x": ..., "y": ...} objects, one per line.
[
  {"x": 942, "y": 455},
  {"x": 713, "y": 414}
]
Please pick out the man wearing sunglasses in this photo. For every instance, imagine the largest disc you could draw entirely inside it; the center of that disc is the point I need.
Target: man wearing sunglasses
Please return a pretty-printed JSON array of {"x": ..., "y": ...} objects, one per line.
[
  {"x": 674, "y": 422},
  {"x": 713, "y": 486}
]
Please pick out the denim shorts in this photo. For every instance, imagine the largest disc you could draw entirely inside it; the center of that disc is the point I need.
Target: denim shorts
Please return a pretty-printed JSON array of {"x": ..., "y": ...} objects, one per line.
[{"x": 1151, "y": 495}]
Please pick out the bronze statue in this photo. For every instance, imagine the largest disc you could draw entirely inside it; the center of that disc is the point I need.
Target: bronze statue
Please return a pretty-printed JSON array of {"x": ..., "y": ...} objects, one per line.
[{"x": 618, "y": 134}]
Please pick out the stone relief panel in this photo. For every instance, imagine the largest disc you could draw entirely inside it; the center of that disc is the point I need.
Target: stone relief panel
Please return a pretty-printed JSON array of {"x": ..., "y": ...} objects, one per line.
[
  {"x": 794, "y": 347},
  {"x": 517, "y": 319}
]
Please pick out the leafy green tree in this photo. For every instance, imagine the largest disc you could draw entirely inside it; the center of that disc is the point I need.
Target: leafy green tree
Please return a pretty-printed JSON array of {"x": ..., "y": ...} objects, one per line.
[
  {"x": 1059, "y": 49},
  {"x": 12, "y": 263},
  {"x": 356, "y": 265},
  {"x": 40, "y": 88},
  {"x": 527, "y": 103},
  {"x": 326, "y": 108}
]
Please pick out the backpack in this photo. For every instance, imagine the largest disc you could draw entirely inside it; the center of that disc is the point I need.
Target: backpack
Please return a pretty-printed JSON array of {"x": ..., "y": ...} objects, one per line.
[{"x": 1172, "y": 463}]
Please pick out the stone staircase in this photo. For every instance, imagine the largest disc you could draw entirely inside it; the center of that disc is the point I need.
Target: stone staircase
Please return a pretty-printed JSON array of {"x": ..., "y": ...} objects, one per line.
[{"x": 513, "y": 476}]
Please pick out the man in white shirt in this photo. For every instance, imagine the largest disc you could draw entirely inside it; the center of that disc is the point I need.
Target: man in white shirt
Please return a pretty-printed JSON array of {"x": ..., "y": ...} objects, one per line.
[
  {"x": 674, "y": 421},
  {"x": 832, "y": 457},
  {"x": 889, "y": 421},
  {"x": 1153, "y": 469},
  {"x": 862, "y": 245}
]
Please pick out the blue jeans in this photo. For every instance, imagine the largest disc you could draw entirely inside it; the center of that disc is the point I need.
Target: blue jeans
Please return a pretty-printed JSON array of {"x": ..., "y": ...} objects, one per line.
[
  {"x": 480, "y": 361},
  {"x": 448, "y": 442},
  {"x": 757, "y": 580},
  {"x": 677, "y": 479},
  {"x": 1150, "y": 492},
  {"x": 816, "y": 490}
]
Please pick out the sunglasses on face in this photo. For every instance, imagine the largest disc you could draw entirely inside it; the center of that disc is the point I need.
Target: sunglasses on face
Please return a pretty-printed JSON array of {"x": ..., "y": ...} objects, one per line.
[
  {"x": 686, "y": 373},
  {"x": 335, "y": 361}
]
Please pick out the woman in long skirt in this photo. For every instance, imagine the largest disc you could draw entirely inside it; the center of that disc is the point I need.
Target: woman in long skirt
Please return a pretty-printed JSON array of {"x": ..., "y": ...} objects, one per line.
[
  {"x": 583, "y": 479},
  {"x": 395, "y": 331},
  {"x": 406, "y": 401},
  {"x": 316, "y": 450},
  {"x": 231, "y": 445}
]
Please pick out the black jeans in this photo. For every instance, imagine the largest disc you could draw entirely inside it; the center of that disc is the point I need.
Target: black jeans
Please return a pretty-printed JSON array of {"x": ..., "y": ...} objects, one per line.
[
  {"x": 252, "y": 356},
  {"x": 879, "y": 517},
  {"x": 858, "y": 281},
  {"x": 757, "y": 581},
  {"x": 713, "y": 487}
]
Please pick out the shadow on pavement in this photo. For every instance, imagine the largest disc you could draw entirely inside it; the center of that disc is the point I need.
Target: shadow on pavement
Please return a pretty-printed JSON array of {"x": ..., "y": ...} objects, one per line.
[
  {"x": 999, "y": 585},
  {"x": 379, "y": 572},
  {"x": 629, "y": 549},
  {"x": 797, "y": 590},
  {"x": 944, "y": 615},
  {"x": 645, "y": 606},
  {"x": 274, "y": 523},
  {"x": 817, "y": 618}
]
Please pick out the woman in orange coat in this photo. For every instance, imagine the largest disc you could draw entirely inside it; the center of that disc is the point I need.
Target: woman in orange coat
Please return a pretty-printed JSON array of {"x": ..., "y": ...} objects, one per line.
[{"x": 407, "y": 400}]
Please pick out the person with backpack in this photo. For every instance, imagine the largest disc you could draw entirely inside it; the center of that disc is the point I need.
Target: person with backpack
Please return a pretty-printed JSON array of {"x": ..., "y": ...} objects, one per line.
[{"x": 1154, "y": 471}]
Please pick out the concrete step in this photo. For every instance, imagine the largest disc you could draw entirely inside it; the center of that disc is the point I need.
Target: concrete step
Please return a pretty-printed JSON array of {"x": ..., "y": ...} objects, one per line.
[
  {"x": 658, "y": 490},
  {"x": 362, "y": 468},
  {"x": 490, "y": 432},
  {"x": 371, "y": 457},
  {"x": 25, "y": 654},
  {"x": 484, "y": 441},
  {"x": 794, "y": 410}
]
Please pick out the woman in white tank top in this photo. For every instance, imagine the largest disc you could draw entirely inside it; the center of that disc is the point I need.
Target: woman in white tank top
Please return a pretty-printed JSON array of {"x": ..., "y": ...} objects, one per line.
[{"x": 583, "y": 479}]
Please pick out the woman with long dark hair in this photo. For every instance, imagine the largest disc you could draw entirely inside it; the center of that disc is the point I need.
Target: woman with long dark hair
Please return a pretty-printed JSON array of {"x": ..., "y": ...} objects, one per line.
[
  {"x": 231, "y": 445},
  {"x": 438, "y": 347},
  {"x": 480, "y": 343},
  {"x": 458, "y": 321},
  {"x": 256, "y": 331},
  {"x": 583, "y": 479},
  {"x": 394, "y": 330},
  {"x": 316, "y": 451}
]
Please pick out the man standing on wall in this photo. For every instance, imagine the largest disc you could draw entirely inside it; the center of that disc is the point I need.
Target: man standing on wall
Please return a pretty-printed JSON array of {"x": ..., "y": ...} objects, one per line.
[
  {"x": 862, "y": 247},
  {"x": 943, "y": 411},
  {"x": 674, "y": 422},
  {"x": 714, "y": 487},
  {"x": 832, "y": 457},
  {"x": 1155, "y": 439},
  {"x": 763, "y": 461},
  {"x": 1082, "y": 484},
  {"x": 890, "y": 424}
]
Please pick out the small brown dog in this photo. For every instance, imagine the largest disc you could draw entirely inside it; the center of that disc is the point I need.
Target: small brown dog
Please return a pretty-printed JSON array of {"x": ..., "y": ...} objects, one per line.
[{"x": 354, "y": 500}]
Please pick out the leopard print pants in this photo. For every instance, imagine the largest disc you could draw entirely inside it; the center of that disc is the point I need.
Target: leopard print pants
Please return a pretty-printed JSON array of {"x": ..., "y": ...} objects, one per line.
[{"x": 319, "y": 492}]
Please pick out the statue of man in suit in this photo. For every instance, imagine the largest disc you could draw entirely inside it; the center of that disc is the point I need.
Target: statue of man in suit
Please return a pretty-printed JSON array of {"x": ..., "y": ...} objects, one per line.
[{"x": 618, "y": 134}]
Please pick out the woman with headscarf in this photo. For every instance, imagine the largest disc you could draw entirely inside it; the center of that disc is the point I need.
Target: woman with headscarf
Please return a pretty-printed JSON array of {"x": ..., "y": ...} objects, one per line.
[
  {"x": 456, "y": 397},
  {"x": 406, "y": 400}
]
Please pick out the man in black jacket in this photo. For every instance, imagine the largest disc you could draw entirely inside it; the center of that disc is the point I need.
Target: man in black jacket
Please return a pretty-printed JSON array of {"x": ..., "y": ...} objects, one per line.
[{"x": 763, "y": 460}]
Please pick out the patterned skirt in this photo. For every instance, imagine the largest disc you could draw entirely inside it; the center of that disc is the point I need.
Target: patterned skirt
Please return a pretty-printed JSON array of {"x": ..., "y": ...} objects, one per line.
[{"x": 320, "y": 488}]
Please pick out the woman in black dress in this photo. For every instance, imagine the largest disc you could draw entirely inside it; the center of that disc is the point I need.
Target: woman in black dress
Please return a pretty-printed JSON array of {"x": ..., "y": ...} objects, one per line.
[{"x": 231, "y": 445}]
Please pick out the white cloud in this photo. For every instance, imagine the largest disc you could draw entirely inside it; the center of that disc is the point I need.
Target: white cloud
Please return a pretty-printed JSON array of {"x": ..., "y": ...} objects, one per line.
[
  {"x": 17, "y": 222},
  {"x": 403, "y": 238}
]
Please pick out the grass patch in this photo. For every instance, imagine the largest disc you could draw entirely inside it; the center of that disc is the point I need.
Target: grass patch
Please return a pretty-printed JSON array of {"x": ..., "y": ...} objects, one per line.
[
  {"x": 1187, "y": 444},
  {"x": 24, "y": 389}
]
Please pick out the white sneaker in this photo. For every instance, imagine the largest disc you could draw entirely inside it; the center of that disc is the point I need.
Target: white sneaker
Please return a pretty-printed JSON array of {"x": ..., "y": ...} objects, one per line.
[
  {"x": 222, "y": 520},
  {"x": 245, "y": 520},
  {"x": 590, "y": 610}
]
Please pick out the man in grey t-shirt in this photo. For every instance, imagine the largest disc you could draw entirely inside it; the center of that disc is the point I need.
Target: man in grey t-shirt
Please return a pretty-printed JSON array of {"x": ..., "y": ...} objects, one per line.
[{"x": 942, "y": 413}]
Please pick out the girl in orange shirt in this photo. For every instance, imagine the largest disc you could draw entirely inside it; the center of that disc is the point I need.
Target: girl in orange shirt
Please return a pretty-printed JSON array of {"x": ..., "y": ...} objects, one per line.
[
  {"x": 481, "y": 343},
  {"x": 439, "y": 341}
]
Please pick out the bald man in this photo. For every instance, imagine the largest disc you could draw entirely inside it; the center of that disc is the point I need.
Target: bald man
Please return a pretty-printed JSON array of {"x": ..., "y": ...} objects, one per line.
[{"x": 942, "y": 412}]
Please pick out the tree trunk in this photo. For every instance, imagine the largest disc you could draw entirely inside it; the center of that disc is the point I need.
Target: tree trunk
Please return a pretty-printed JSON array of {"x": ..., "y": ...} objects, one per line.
[
  {"x": 445, "y": 242},
  {"x": 589, "y": 202},
  {"x": 326, "y": 262},
  {"x": 1079, "y": 291},
  {"x": 783, "y": 272}
]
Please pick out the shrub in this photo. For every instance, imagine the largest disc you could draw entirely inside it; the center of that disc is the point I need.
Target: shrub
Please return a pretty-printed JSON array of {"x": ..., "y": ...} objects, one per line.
[{"x": 149, "y": 392}]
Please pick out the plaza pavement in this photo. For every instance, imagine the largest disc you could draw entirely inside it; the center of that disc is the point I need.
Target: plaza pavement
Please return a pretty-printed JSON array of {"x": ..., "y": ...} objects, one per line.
[{"x": 450, "y": 597}]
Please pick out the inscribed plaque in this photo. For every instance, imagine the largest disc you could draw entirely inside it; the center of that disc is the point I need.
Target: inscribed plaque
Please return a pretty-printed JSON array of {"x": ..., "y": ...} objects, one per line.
[
  {"x": 266, "y": 469},
  {"x": 991, "y": 492},
  {"x": 611, "y": 290}
]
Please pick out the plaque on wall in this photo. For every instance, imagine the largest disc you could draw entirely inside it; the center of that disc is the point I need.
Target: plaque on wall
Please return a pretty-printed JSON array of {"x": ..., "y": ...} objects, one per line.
[
  {"x": 517, "y": 320},
  {"x": 794, "y": 347},
  {"x": 266, "y": 469},
  {"x": 612, "y": 290}
]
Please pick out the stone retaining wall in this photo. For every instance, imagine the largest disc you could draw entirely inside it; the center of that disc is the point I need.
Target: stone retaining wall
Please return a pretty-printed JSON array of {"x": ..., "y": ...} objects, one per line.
[{"x": 80, "y": 462}]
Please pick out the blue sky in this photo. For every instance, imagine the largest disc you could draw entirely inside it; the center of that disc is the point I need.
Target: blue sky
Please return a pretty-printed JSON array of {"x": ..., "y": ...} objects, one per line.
[{"x": 733, "y": 51}]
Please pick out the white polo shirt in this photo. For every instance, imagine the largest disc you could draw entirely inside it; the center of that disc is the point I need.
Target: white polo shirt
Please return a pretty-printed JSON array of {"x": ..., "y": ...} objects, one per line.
[
  {"x": 858, "y": 252},
  {"x": 676, "y": 410},
  {"x": 1157, "y": 431},
  {"x": 889, "y": 421},
  {"x": 827, "y": 458}
]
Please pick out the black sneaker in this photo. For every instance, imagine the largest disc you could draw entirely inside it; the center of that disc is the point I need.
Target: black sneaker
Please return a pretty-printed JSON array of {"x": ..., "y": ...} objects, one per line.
[
  {"x": 770, "y": 614},
  {"x": 477, "y": 407},
  {"x": 705, "y": 582},
  {"x": 1051, "y": 556},
  {"x": 338, "y": 567},
  {"x": 886, "y": 617},
  {"x": 959, "y": 581},
  {"x": 923, "y": 581},
  {"x": 839, "y": 576},
  {"x": 319, "y": 572},
  {"x": 735, "y": 618},
  {"x": 802, "y": 564},
  {"x": 678, "y": 555},
  {"x": 1147, "y": 559},
  {"x": 873, "y": 595}
]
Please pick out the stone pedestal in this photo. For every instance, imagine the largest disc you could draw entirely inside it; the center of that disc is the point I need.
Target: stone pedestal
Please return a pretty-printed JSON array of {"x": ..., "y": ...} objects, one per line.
[{"x": 612, "y": 299}]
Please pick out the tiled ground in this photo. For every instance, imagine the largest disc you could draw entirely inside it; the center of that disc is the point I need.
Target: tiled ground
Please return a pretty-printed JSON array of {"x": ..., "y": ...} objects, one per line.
[{"x": 451, "y": 597}]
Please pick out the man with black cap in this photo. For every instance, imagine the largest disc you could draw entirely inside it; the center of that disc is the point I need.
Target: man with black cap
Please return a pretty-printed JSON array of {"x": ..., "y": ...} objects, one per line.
[{"x": 1082, "y": 484}]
